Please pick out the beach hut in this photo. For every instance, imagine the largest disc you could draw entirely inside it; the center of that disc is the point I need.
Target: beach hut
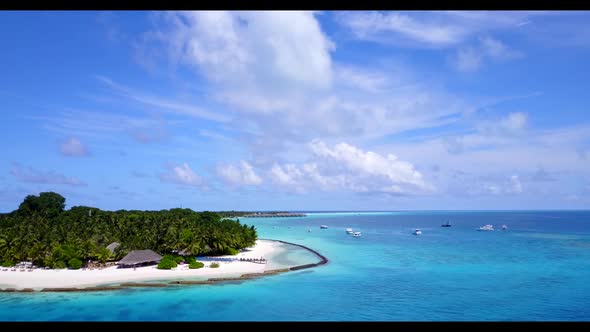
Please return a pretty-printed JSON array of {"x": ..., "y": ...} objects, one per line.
[{"x": 138, "y": 258}]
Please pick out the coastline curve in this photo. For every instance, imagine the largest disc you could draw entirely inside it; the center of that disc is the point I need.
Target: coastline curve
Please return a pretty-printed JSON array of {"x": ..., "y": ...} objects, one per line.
[{"x": 160, "y": 284}]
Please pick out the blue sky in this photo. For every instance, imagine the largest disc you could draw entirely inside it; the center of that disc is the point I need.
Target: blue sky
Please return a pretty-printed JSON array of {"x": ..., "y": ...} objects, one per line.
[{"x": 296, "y": 110}]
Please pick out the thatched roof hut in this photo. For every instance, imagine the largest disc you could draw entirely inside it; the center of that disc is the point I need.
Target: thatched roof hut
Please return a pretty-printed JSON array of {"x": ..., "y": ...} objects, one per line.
[
  {"x": 140, "y": 258},
  {"x": 113, "y": 246}
]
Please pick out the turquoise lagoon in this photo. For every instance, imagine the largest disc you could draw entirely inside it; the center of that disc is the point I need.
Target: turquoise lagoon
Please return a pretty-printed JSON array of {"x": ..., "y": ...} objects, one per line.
[{"x": 537, "y": 270}]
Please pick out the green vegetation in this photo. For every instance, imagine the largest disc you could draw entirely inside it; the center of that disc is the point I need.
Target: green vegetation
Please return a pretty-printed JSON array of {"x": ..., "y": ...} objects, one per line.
[
  {"x": 167, "y": 263},
  {"x": 231, "y": 251},
  {"x": 42, "y": 231},
  {"x": 58, "y": 265},
  {"x": 75, "y": 263},
  {"x": 214, "y": 265},
  {"x": 190, "y": 259},
  {"x": 196, "y": 265},
  {"x": 178, "y": 259},
  {"x": 8, "y": 264}
]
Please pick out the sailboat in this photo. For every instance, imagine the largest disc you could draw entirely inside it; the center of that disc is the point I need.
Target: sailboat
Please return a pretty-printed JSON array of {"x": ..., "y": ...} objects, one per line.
[{"x": 448, "y": 224}]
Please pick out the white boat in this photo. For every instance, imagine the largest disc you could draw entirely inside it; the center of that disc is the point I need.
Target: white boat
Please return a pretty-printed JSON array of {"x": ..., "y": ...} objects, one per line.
[
  {"x": 504, "y": 227},
  {"x": 349, "y": 231},
  {"x": 324, "y": 227},
  {"x": 356, "y": 234},
  {"x": 486, "y": 228},
  {"x": 417, "y": 231}
]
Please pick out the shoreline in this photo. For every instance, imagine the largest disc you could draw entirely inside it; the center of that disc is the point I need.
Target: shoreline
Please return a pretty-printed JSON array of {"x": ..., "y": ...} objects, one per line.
[{"x": 115, "y": 279}]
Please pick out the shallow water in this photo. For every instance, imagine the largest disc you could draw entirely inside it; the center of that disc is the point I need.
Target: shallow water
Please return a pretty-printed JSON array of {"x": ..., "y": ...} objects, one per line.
[{"x": 536, "y": 270}]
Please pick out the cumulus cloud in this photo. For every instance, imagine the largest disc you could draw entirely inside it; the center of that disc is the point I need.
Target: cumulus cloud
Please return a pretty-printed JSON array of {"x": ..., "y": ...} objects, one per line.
[
  {"x": 275, "y": 70},
  {"x": 28, "y": 174},
  {"x": 247, "y": 48},
  {"x": 346, "y": 167},
  {"x": 243, "y": 174},
  {"x": 182, "y": 174},
  {"x": 73, "y": 147}
]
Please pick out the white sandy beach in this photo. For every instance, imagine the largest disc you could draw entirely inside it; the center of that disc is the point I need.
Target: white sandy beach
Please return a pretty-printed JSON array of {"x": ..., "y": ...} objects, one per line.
[{"x": 40, "y": 278}]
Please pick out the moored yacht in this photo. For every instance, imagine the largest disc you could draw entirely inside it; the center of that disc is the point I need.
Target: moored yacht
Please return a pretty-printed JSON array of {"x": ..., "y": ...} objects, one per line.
[
  {"x": 486, "y": 228},
  {"x": 349, "y": 231},
  {"x": 417, "y": 232},
  {"x": 324, "y": 227},
  {"x": 504, "y": 227},
  {"x": 356, "y": 234}
]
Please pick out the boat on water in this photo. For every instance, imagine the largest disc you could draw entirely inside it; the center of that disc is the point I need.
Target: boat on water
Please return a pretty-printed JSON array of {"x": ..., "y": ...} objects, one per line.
[
  {"x": 324, "y": 227},
  {"x": 356, "y": 234},
  {"x": 349, "y": 231},
  {"x": 504, "y": 227},
  {"x": 417, "y": 231},
  {"x": 309, "y": 230},
  {"x": 448, "y": 224},
  {"x": 486, "y": 228}
]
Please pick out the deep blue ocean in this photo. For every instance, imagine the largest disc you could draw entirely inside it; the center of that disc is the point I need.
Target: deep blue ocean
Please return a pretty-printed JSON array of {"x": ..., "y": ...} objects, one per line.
[{"x": 537, "y": 270}]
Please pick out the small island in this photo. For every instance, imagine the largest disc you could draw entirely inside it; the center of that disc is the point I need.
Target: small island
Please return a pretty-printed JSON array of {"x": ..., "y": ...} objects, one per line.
[
  {"x": 45, "y": 247},
  {"x": 274, "y": 215}
]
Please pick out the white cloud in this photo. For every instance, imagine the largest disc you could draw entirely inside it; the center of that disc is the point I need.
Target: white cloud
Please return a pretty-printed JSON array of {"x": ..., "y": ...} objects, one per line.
[
  {"x": 105, "y": 126},
  {"x": 370, "y": 81},
  {"x": 243, "y": 174},
  {"x": 346, "y": 167},
  {"x": 494, "y": 48},
  {"x": 442, "y": 29},
  {"x": 370, "y": 163},
  {"x": 471, "y": 58},
  {"x": 163, "y": 104},
  {"x": 468, "y": 59},
  {"x": 289, "y": 176},
  {"x": 73, "y": 147},
  {"x": 372, "y": 25},
  {"x": 247, "y": 48},
  {"x": 516, "y": 186},
  {"x": 514, "y": 121},
  {"x": 511, "y": 185},
  {"x": 182, "y": 174},
  {"x": 427, "y": 29},
  {"x": 35, "y": 176},
  {"x": 283, "y": 86}
]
